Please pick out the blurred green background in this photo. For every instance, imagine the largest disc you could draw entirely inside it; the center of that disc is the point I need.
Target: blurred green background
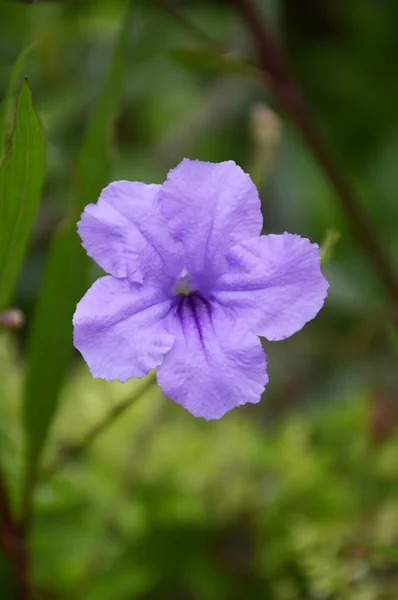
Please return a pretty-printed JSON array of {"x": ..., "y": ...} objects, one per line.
[{"x": 290, "y": 499}]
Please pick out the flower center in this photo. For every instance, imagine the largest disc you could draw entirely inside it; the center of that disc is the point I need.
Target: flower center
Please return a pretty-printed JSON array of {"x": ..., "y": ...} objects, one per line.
[
  {"x": 182, "y": 286},
  {"x": 195, "y": 315}
]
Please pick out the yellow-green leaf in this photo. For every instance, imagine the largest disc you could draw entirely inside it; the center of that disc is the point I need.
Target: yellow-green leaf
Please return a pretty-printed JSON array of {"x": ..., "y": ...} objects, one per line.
[
  {"x": 327, "y": 247},
  {"x": 208, "y": 59}
]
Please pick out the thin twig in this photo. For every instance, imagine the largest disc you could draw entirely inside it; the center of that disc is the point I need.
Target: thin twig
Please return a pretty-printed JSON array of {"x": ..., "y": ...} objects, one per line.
[
  {"x": 289, "y": 96},
  {"x": 74, "y": 450},
  {"x": 172, "y": 10},
  {"x": 275, "y": 73},
  {"x": 13, "y": 543}
]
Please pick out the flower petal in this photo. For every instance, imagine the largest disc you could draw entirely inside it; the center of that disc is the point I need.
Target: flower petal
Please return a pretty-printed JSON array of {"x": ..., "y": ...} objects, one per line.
[
  {"x": 125, "y": 233},
  {"x": 215, "y": 364},
  {"x": 275, "y": 283},
  {"x": 119, "y": 329},
  {"x": 209, "y": 207}
]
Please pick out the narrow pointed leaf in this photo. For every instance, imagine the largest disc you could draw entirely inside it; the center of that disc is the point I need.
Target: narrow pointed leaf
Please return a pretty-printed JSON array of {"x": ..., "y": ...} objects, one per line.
[
  {"x": 388, "y": 551},
  {"x": 392, "y": 333},
  {"x": 212, "y": 60},
  {"x": 21, "y": 179},
  {"x": 328, "y": 245},
  {"x": 66, "y": 273},
  {"x": 6, "y": 108}
]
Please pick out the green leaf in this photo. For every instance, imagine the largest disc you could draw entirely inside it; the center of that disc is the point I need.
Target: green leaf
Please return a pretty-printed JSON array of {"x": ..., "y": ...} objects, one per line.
[
  {"x": 6, "y": 109},
  {"x": 209, "y": 59},
  {"x": 265, "y": 134},
  {"x": 392, "y": 333},
  {"x": 391, "y": 553},
  {"x": 327, "y": 247},
  {"x": 66, "y": 274},
  {"x": 21, "y": 179}
]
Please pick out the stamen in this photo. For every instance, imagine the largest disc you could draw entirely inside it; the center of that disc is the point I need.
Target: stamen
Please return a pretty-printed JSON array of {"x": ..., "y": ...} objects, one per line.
[{"x": 182, "y": 286}]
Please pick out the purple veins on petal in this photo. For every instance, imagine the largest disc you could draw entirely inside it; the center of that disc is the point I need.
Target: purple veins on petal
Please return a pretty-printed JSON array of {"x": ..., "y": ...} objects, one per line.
[
  {"x": 191, "y": 285},
  {"x": 215, "y": 363}
]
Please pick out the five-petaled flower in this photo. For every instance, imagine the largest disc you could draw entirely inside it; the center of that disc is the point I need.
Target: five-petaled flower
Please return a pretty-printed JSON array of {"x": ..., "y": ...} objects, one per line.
[{"x": 191, "y": 285}]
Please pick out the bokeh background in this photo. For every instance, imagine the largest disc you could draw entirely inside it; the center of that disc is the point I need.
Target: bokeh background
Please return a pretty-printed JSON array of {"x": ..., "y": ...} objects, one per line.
[{"x": 292, "y": 499}]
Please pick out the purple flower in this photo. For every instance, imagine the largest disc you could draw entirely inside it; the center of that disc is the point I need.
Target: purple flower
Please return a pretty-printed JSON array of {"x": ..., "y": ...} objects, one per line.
[{"x": 191, "y": 285}]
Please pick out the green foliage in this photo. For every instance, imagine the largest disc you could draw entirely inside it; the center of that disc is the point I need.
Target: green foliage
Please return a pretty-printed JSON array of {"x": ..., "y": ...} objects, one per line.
[
  {"x": 292, "y": 499},
  {"x": 6, "y": 109},
  {"x": 66, "y": 275},
  {"x": 165, "y": 504},
  {"x": 21, "y": 180},
  {"x": 391, "y": 553},
  {"x": 392, "y": 333},
  {"x": 328, "y": 245},
  {"x": 208, "y": 60}
]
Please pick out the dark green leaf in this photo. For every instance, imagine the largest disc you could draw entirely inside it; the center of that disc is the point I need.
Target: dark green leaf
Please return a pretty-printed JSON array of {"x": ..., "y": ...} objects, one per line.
[
  {"x": 212, "y": 60},
  {"x": 21, "y": 180},
  {"x": 391, "y": 553},
  {"x": 392, "y": 333},
  {"x": 66, "y": 274},
  {"x": 7, "y": 104}
]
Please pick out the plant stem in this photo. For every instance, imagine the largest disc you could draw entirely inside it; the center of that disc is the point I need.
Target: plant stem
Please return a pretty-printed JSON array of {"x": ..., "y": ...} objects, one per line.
[
  {"x": 169, "y": 7},
  {"x": 289, "y": 96},
  {"x": 276, "y": 74},
  {"x": 78, "y": 448},
  {"x": 13, "y": 544}
]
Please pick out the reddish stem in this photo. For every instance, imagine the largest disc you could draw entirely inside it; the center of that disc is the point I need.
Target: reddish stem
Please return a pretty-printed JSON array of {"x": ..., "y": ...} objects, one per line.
[
  {"x": 288, "y": 94},
  {"x": 13, "y": 544}
]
